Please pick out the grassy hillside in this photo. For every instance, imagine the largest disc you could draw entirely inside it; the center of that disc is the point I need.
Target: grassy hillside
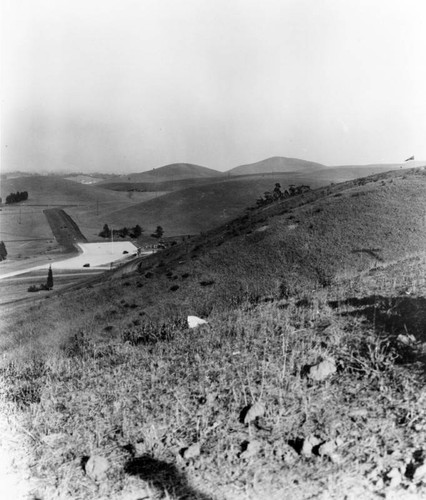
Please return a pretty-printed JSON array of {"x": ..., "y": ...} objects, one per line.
[
  {"x": 347, "y": 172},
  {"x": 167, "y": 185},
  {"x": 275, "y": 164},
  {"x": 202, "y": 207},
  {"x": 241, "y": 407},
  {"x": 174, "y": 171}
]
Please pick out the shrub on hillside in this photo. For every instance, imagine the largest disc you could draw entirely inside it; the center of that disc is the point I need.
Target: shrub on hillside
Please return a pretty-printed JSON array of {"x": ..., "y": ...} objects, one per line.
[
  {"x": 133, "y": 232},
  {"x": 158, "y": 232},
  {"x": 277, "y": 194},
  {"x": 16, "y": 197},
  {"x": 35, "y": 288}
]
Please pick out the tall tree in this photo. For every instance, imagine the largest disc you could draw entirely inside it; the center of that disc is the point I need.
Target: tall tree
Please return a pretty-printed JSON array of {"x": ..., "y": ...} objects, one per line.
[
  {"x": 277, "y": 191},
  {"x": 158, "y": 232},
  {"x": 49, "y": 283},
  {"x": 3, "y": 251},
  {"x": 106, "y": 232}
]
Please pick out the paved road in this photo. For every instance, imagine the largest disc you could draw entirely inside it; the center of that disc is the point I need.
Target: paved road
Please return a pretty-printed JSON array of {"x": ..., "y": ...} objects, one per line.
[{"x": 97, "y": 255}]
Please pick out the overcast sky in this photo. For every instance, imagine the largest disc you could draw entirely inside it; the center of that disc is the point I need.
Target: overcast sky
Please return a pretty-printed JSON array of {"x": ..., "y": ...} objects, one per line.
[{"x": 128, "y": 85}]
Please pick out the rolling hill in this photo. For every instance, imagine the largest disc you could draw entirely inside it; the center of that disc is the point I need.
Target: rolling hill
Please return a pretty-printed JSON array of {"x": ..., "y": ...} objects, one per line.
[
  {"x": 206, "y": 203},
  {"x": 204, "y": 206},
  {"x": 310, "y": 368},
  {"x": 174, "y": 171},
  {"x": 276, "y": 164}
]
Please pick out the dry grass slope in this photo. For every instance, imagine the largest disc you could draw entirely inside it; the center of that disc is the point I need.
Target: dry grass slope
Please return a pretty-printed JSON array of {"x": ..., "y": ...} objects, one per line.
[{"x": 112, "y": 370}]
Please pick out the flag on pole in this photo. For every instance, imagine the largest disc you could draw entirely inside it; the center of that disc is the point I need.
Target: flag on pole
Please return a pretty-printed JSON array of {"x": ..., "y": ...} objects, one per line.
[{"x": 409, "y": 159}]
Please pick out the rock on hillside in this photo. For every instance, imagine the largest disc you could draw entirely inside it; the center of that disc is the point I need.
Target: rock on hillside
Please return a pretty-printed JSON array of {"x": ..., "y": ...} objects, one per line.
[{"x": 276, "y": 164}]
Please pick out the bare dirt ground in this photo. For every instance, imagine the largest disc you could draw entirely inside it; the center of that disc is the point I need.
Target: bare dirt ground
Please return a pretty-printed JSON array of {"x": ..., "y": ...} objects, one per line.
[{"x": 65, "y": 230}]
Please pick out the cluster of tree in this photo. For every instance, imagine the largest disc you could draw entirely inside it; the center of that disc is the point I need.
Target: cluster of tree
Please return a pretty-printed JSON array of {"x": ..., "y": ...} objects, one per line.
[
  {"x": 133, "y": 232},
  {"x": 278, "y": 194},
  {"x": 3, "y": 251},
  {"x": 158, "y": 232},
  {"x": 16, "y": 197},
  {"x": 44, "y": 286}
]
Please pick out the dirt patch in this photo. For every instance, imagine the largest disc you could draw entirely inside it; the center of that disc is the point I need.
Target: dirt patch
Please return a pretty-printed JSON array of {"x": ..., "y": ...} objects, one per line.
[{"x": 65, "y": 230}]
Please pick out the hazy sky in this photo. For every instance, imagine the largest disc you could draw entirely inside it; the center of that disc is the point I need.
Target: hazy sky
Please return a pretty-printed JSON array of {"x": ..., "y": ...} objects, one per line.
[{"x": 128, "y": 85}]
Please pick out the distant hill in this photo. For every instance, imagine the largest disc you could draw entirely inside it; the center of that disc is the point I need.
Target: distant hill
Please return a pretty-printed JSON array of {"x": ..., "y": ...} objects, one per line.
[
  {"x": 347, "y": 172},
  {"x": 55, "y": 190},
  {"x": 276, "y": 164},
  {"x": 174, "y": 171},
  {"x": 202, "y": 207},
  {"x": 193, "y": 206}
]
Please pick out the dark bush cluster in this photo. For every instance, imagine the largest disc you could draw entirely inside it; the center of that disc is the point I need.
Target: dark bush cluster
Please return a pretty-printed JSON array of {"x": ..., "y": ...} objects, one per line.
[
  {"x": 39, "y": 288},
  {"x": 271, "y": 196},
  {"x": 133, "y": 232},
  {"x": 16, "y": 197}
]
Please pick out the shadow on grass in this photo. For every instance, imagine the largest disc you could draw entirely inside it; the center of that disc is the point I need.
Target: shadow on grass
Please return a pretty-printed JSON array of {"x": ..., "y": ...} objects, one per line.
[
  {"x": 163, "y": 476},
  {"x": 392, "y": 316}
]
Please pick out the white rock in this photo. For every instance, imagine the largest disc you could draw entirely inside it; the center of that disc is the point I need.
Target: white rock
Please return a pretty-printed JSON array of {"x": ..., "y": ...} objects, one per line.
[
  {"x": 97, "y": 467},
  {"x": 309, "y": 443},
  {"x": 256, "y": 410},
  {"x": 194, "y": 321},
  {"x": 322, "y": 370},
  {"x": 406, "y": 339},
  {"x": 420, "y": 474},
  {"x": 395, "y": 477},
  {"x": 193, "y": 451},
  {"x": 253, "y": 449},
  {"x": 326, "y": 449}
]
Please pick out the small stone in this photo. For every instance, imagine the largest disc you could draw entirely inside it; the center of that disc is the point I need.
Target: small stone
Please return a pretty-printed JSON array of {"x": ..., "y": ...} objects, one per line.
[
  {"x": 336, "y": 458},
  {"x": 379, "y": 484},
  {"x": 287, "y": 453},
  {"x": 395, "y": 476},
  {"x": 97, "y": 467},
  {"x": 420, "y": 474},
  {"x": 253, "y": 449},
  {"x": 322, "y": 370},
  {"x": 194, "y": 321},
  {"x": 406, "y": 339},
  {"x": 326, "y": 449},
  {"x": 255, "y": 411},
  {"x": 308, "y": 444},
  {"x": 140, "y": 448},
  {"x": 192, "y": 452}
]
